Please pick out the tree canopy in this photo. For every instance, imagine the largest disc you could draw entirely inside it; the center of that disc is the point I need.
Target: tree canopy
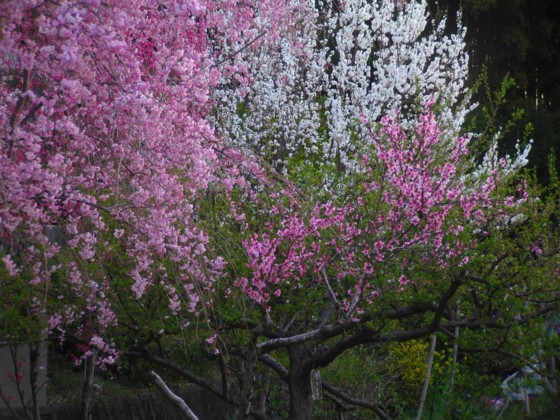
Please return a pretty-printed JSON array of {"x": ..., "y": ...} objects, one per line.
[{"x": 269, "y": 184}]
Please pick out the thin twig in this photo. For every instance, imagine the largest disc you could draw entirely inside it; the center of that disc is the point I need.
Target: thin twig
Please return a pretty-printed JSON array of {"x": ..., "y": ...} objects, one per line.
[{"x": 247, "y": 45}]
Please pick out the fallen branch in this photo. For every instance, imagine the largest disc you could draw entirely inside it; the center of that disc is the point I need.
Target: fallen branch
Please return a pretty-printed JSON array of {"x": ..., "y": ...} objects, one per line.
[
  {"x": 171, "y": 396},
  {"x": 168, "y": 364}
]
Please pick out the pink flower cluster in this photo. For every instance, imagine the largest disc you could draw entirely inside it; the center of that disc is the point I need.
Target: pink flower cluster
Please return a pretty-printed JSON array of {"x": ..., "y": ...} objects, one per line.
[
  {"x": 411, "y": 205},
  {"x": 104, "y": 137}
]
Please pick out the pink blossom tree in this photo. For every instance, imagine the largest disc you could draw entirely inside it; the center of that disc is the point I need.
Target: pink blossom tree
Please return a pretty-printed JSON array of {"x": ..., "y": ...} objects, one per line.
[
  {"x": 398, "y": 255},
  {"x": 105, "y": 149},
  {"x": 386, "y": 261}
]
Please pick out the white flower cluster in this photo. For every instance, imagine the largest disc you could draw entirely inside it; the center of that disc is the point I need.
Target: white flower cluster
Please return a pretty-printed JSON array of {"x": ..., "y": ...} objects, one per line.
[
  {"x": 274, "y": 111},
  {"x": 356, "y": 61},
  {"x": 507, "y": 165}
]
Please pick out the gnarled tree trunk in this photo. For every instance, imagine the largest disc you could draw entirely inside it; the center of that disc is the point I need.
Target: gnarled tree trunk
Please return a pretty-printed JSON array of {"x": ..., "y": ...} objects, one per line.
[{"x": 301, "y": 402}]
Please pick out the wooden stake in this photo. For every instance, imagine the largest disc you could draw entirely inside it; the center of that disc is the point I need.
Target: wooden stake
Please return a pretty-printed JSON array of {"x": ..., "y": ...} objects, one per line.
[{"x": 427, "y": 379}]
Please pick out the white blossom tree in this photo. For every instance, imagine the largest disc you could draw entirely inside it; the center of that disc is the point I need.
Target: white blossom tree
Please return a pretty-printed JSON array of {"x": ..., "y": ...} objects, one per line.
[{"x": 364, "y": 59}]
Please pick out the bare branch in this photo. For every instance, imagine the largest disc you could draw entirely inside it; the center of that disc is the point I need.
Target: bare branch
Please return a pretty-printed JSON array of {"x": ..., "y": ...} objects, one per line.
[
  {"x": 174, "y": 398},
  {"x": 329, "y": 331},
  {"x": 354, "y": 304},
  {"x": 244, "y": 47},
  {"x": 216, "y": 390},
  {"x": 354, "y": 401},
  {"x": 444, "y": 300},
  {"x": 275, "y": 365},
  {"x": 413, "y": 309},
  {"x": 329, "y": 288}
]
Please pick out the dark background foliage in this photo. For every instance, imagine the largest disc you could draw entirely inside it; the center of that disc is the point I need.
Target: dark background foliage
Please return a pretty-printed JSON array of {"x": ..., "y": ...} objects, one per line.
[{"x": 519, "y": 38}]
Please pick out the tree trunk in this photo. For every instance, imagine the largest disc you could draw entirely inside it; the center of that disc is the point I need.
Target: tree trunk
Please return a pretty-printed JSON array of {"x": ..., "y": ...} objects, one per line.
[
  {"x": 34, "y": 363},
  {"x": 454, "y": 360},
  {"x": 87, "y": 393},
  {"x": 263, "y": 395},
  {"x": 301, "y": 403},
  {"x": 552, "y": 373},
  {"x": 247, "y": 386}
]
